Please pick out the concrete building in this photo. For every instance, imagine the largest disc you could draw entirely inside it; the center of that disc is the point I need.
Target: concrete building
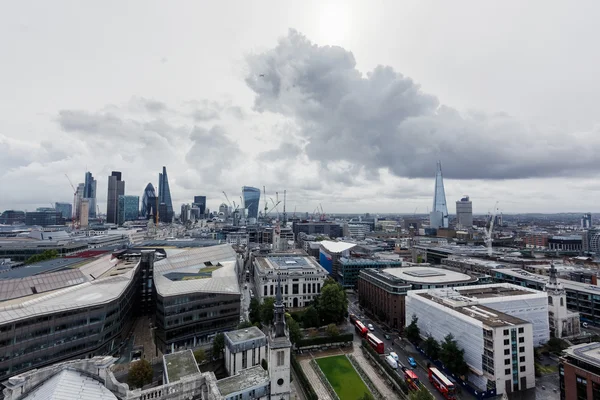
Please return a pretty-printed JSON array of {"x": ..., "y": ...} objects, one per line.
[
  {"x": 573, "y": 243},
  {"x": 301, "y": 278},
  {"x": 586, "y": 221},
  {"x": 350, "y": 268},
  {"x": 498, "y": 347},
  {"x": 83, "y": 217},
  {"x": 318, "y": 228},
  {"x": 383, "y": 291},
  {"x": 197, "y": 296},
  {"x": 244, "y": 348},
  {"x": 464, "y": 213},
  {"x": 579, "y": 372}
]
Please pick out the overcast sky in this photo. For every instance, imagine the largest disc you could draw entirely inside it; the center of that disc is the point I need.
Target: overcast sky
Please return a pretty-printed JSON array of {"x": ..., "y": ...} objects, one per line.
[{"x": 348, "y": 103}]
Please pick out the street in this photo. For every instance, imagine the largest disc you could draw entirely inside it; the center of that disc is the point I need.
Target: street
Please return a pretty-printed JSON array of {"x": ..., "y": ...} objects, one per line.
[{"x": 402, "y": 348}]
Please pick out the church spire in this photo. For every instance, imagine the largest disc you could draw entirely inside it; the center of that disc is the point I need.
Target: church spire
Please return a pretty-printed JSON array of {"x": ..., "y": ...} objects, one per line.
[
  {"x": 553, "y": 285},
  {"x": 279, "y": 312}
]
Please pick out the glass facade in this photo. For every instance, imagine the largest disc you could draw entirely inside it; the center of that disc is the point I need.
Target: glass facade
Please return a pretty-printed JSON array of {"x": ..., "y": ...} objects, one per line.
[
  {"x": 89, "y": 192},
  {"x": 148, "y": 201},
  {"x": 65, "y": 209},
  {"x": 116, "y": 188},
  {"x": 439, "y": 212},
  {"x": 128, "y": 208},
  {"x": 164, "y": 194},
  {"x": 251, "y": 200}
]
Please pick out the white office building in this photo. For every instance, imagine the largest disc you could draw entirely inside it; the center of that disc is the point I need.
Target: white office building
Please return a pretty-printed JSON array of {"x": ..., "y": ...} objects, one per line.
[
  {"x": 498, "y": 347},
  {"x": 464, "y": 213},
  {"x": 244, "y": 348},
  {"x": 301, "y": 278}
]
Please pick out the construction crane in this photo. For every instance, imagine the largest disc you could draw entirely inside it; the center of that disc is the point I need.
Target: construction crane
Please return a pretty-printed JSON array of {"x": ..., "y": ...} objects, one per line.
[
  {"x": 266, "y": 201},
  {"x": 275, "y": 204},
  {"x": 322, "y": 213},
  {"x": 98, "y": 213},
  {"x": 74, "y": 214},
  {"x": 488, "y": 232},
  {"x": 284, "y": 213},
  {"x": 294, "y": 215}
]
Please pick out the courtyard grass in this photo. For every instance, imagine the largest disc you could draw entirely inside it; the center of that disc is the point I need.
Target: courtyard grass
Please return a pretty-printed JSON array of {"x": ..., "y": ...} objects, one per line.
[{"x": 343, "y": 377}]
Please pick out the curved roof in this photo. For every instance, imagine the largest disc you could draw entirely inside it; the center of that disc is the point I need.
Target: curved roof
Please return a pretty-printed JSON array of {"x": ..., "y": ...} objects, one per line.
[{"x": 427, "y": 275}]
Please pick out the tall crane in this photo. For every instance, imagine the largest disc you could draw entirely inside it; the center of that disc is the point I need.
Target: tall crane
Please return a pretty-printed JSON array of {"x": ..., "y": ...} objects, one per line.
[
  {"x": 227, "y": 198},
  {"x": 98, "y": 213},
  {"x": 74, "y": 213},
  {"x": 284, "y": 213},
  {"x": 322, "y": 213},
  {"x": 488, "y": 232},
  {"x": 266, "y": 201}
]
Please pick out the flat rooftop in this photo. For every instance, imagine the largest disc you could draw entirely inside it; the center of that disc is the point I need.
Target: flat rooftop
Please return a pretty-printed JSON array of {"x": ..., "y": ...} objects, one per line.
[
  {"x": 485, "y": 292},
  {"x": 427, "y": 275},
  {"x": 488, "y": 316},
  {"x": 243, "y": 335},
  {"x": 179, "y": 365},
  {"x": 336, "y": 247},
  {"x": 291, "y": 262},
  {"x": 245, "y": 380},
  {"x": 588, "y": 352},
  {"x": 543, "y": 279}
]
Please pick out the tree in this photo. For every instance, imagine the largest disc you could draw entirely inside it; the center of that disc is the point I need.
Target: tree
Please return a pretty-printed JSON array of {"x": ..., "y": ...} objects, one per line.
[
  {"x": 200, "y": 356},
  {"x": 267, "y": 309},
  {"x": 311, "y": 318},
  {"x": 245, "y": 324},
  {"x": 254, "y": 311},
  {"x": 45, "y": 255},
  {"x": 412, "y": 331},
  {"x": 421, "y": 394},
  {"x": 452, "y": 356},
  {"x": 218, "y": 345},
  {"x": 431, "y": 347},
  {"x": 294, "y": 330},
  {"x": 140, "y": 374},
  {"x": 556, "y": 345},
  {"x": 332, "y": 330},
  {"x": 366, "y": 396},
  {"x": 332, "y": 303}
]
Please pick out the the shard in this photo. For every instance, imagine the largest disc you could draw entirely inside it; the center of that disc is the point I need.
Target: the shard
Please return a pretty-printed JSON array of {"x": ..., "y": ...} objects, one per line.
[
  {"x": 438, "y": 218},
  {"x": 164, "y": 196}
]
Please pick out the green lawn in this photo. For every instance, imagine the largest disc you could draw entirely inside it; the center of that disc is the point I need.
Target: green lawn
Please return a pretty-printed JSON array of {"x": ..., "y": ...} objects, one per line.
[{"x": 343, "y": 377}]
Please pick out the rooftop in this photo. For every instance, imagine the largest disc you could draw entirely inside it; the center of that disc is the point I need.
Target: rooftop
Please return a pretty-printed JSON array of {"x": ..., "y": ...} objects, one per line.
[
  {"x": 245, "y": 380},
  {"x": 336, "y": 247},
  {"x": 180, "y": 364},
  {"x": 427, "y": 275},
  {"x": 192, "y": 262},
  {"x": 291, "y": 262},
  {"x": 43, "y": 267},
  {"x": 588, "y": 352},
  {"x": 243, "y": 335},
  {"x": 489, "y": 291},
  {"x": 542, "y": 279},
  {"x": 70, "y": 385}
]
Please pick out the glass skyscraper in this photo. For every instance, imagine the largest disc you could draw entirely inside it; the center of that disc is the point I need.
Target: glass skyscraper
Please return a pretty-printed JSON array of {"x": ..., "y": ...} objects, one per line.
[
  {"x": 65, "y": 209},
  {"x": 149, "y": 201},
  {"x": 116, "y": 188},
  {"x": 251, "y": 200},
  {"x": 164, "y": 195},
  {"x": 128, "y": 208},
  {"x": 438, "y": 218},
  {"x": 89, "y": 192}
]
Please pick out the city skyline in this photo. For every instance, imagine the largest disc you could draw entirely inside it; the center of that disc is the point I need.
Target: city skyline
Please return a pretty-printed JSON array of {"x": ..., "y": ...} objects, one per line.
[{"x": 367, "y": 142}]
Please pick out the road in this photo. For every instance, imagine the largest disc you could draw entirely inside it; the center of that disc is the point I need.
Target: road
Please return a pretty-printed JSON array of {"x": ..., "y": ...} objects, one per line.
[{"x": 403, "y": 349}]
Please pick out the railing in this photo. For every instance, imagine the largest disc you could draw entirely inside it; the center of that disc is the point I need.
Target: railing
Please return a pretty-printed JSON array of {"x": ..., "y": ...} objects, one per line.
[
  {"x": 365, "y": 378},
  {"x": 305, "y": 385},
  {"x": 324, "y": 380}
]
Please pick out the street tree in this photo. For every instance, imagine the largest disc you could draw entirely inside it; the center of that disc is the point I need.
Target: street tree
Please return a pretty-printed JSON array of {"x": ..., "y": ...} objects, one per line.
[
  {"x": 245, "y": 324},
  {"x": 452, "y": 356},
  {"x": 311, "y": 318},
  {"x": 332, "y": 303},
  {"x": 254, "y": 311},
  {"x": 294, "y": 330},
  {"x": 218, "y": 345},
  {"x": 332, "y": 330},
  {"x": 140, "y": 374},
  {"x": 267, "y": 309},
  {"x": 421, "y": 394},
  {"x": 431, "y": 347},
  {"x": 412, "y": 331}
]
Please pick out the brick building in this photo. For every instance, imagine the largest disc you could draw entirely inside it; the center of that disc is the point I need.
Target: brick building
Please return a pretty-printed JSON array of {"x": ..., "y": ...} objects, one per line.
[{"x": 579, "y": 372}]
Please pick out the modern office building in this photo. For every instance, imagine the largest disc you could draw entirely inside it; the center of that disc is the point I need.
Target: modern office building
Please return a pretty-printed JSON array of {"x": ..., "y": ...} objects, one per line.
[
  {"x": 579, "y": 372},
  {"x": 224, "y": 210},
  {"x": 382, "y": 291},
  {"x": 322, "y": 228},
  {"x": 581, "y": 297},
  {"x": 84, "y": 217},
  {"x": 44, "y": 218},
  {"x": 330, "y": 254},
  {"x": 498, "y": 347},
  {"x": 65, "y": 209},
  {"x": 438, "y": 218},
  {"x": 301, "y": 278},
  {"x": 149, "y": 202},
  {"x": 586, "y": 221},
  {"x": 244, "y": 348},
  {"x": 572, "y": 243},
  {"x": 12, "y": 217},
  {"x": 350, "y": 269},
  {"x": 200, "y": 203},
  {"x": 198, "y": 295},
  {"x": 164, "y": 196},
  {"x": 129, "y": 208},
  {"x": 89, "y": 192},
  {"x": 78, "y": 199},
  {"x": 251, "y": 197},
  {"x": 116, "y": 188},
  {"x": 464, "y": 213}
]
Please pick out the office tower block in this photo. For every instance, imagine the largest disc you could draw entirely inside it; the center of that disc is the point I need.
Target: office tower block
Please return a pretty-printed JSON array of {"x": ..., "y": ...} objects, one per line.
[
  {"x": 251, "y": 201},
  {"x": 85, "y": 212},
  {"x": 89, "y": 192},
  {"x": 149, "y": 202},
  {"x": 116, "y": 188},
  {"x": 164, "y": 196},
  {"x": 464, "y": 213},
  {"x": 438, "y": 218},
  {"x": 129, "y": 208},
  {"x": 586, "y": 221},
  {"x": 65, "y": 209},
  {"x": 200, "y": 203}
]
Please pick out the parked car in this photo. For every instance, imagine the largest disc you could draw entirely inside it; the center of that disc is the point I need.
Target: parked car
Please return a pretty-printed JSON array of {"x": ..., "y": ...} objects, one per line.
[
  {"x": 388, "y": 337},
  {"x": 412, "y": 362},
  {"x": 394, "y": 355},
  {"x": 371, "y": 328}
]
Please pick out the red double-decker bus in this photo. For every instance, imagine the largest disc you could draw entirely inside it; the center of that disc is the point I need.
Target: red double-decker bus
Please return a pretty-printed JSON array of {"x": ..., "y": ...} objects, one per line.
[
  {"x": 442, "y": 383},
  {"x": 412, "y": 380},
  {"x": 352, "y": 318},
  {"x": 360, "y": 328},
  {"x": 375, "y": 343}
]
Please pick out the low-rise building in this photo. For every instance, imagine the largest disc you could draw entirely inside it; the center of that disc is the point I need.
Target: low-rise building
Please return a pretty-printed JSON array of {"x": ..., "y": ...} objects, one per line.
[
  {"x": 382, "y": 291},
  {"x": 301, "y": 278},
  {"x": 244, "y": 348},
  {"x": 579, "y": 372},
  {"x": 498, "y": 348}
]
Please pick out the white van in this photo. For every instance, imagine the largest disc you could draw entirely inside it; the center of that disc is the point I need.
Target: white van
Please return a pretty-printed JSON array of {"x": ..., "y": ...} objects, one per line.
[
  {"x": 391, "y": 362},
  {"x": 394, "y": 356}
]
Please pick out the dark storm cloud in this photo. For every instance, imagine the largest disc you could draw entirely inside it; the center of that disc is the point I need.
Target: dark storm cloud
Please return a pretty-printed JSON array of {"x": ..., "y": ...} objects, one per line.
[{"x": 384, "y": 120}]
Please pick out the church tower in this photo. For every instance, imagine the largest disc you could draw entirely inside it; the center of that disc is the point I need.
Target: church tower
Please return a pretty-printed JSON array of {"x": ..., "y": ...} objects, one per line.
[
  {"x": 280, "y": 349},
  {"x": 563, "y": 323}
]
